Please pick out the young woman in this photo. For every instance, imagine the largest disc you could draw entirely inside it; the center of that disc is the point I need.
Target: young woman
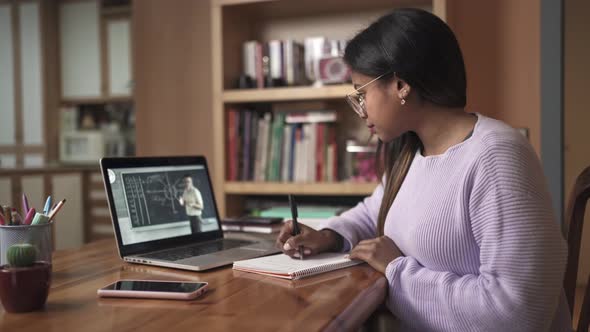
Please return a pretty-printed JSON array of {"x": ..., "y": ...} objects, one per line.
[{"x": 462, "y": 225}]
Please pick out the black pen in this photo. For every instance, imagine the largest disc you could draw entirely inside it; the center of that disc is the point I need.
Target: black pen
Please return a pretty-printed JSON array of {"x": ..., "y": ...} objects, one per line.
[{"x": 295, "y": 230}]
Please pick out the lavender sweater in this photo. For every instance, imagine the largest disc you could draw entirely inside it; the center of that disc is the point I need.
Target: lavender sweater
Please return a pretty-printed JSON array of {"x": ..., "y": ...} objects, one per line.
[{"x": 482, "y": 249}]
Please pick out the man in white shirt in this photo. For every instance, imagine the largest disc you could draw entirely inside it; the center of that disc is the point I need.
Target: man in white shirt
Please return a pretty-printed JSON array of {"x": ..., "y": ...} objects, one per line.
[{"x": 192, "y": 201}]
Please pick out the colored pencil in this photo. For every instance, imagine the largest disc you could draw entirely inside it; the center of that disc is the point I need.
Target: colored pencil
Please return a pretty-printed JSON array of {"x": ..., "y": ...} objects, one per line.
[
  {"x": 47, "y": 205},
  {"x": 25, "y": 205},
  {"x": 56, "y": 209},
  {"x": 29, "y": 217}
]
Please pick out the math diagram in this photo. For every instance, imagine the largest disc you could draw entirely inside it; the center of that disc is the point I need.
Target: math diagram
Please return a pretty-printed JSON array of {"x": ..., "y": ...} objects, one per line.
[{"x": 152, "y": 198}]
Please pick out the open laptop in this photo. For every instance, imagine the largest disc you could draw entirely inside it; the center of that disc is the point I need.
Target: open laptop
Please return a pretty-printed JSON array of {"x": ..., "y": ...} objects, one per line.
[{"x": 164, "y": 213}]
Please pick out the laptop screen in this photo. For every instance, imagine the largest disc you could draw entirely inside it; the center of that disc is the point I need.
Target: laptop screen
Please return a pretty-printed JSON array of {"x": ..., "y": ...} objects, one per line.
[{"x": 162, "y": 202}]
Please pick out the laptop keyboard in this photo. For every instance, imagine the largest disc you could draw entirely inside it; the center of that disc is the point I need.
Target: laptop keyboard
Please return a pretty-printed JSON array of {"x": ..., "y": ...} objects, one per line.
[{"x": 197, "y": 250}]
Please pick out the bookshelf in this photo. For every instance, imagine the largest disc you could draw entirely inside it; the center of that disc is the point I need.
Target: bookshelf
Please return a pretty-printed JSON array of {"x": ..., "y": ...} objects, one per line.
[{"x": 236, "y": 21}]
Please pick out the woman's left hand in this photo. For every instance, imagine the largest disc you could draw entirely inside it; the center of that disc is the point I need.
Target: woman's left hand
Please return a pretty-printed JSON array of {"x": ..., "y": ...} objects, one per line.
[{"x": 378, "y": 252}]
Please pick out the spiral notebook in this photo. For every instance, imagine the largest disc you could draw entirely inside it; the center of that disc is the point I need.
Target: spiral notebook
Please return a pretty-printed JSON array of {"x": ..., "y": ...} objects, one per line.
[{"x": 283, "y": 266}]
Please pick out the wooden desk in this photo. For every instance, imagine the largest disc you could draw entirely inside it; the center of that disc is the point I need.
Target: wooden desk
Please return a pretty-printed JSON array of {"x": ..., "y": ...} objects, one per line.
[{"x": 237, "y": 301}]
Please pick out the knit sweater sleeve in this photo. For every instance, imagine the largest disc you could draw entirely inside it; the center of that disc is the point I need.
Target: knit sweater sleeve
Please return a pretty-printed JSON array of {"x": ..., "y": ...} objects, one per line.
[
  {"x": 358, "y": 223},
  {"x": 522, "y": 254}
]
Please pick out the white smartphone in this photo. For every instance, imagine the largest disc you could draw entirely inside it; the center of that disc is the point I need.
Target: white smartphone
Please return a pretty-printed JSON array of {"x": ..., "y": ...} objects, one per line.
[{"x": 154, "y": 289}]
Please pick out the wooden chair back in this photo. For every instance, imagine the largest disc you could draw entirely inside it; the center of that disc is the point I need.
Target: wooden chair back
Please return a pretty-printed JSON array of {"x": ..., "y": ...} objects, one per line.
[{"x": 575, "y": 222}]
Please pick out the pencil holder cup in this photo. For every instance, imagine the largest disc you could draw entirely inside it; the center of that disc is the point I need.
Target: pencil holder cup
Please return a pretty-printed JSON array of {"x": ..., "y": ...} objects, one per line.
[
  {"x": 40, "y": 236},
  {"x": 25, "y": 268}
]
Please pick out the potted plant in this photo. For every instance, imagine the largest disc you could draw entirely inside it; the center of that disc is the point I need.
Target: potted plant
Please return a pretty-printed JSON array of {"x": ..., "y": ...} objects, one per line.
[{"x": 24, "y": 281}]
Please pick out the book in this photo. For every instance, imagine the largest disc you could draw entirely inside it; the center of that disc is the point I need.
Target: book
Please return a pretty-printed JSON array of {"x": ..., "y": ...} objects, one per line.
[
  {"x": 253, "y": 220},
  {"x": 239, "y": 144},
  {"x": 262, "y": 146},
  {"x": 264, "y": 135},
  {"x": 320, "y": 153},
  {"x": 258, "y": 175},
  {"x": 253, "y": 145},
  {"x": 305, "y": 211},
  {"x": 252, "y": 228},
  {"x": 258, "y": 55},
  {"x": 246, "y": 146},
  {"x": 283, "y": 266},
  {"x": 292, "y": 153},
  {"x": 276, "y": 142},
  {"x": 232, "y": 153},
  {"x": 293, "y": 66},
  {"x": 275, "y": 55},
  {"x": 296, "y": 284},
  {"x": 249, "y": 59},
  {"x": 311, "y": 117},
  {"x": 286, "y": 153},
  {"x": 310, "y": 145}
]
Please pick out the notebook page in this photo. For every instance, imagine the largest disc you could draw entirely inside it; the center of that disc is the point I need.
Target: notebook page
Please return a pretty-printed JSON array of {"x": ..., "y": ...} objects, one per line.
[{"x": 286, "y": 265}]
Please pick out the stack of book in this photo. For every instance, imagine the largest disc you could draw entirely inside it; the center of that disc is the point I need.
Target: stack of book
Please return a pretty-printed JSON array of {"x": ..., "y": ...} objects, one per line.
[
  {"x": 252, "y": 224},
  {"x": 278, "y": 63},
  {"x": 304, "y": 211},
  {"x": 287, "y": 147},
  {"x": 274, "y": 63}
]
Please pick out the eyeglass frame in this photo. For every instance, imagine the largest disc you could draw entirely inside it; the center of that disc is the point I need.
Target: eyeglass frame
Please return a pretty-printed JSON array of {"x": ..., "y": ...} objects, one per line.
[{"x": 361, "y": 103}]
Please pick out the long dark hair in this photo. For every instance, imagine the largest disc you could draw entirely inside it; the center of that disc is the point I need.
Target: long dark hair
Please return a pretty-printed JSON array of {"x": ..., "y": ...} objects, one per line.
[{"x": 422, "y": 51}]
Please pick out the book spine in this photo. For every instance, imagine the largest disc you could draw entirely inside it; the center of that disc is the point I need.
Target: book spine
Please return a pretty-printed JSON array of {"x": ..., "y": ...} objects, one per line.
[
  {"x": 293, "y": 140},
  {"x": 246, "y": 146},
  {"x": 299, "y": 64},
  {"x": 330, "y": 163},
  {"x": 249, "y": 58},
  {"x": 320, "y": 152},
  {"x": 298, "y": 162},
  {"x": 260, "y": 145},
  {"x": 286, "y": 153},
  {"x": 311, "y": 152},
  {"x": 311, "y": 117},
  {"x": 259, "y": 229},
  {"x": 239, "y": 144},
  {"x": 272, "y": 149},
  {"x": 231, "y": 228},
  {"x": 259, "y": 66},
  {"x": 253, "y": 145},
  {"x": 278, "y": 138},
  {"x": 304, "y": 156},
  {"x": 278, "y": 147},
  {"x": 288, "y": 62},
  {"x": 334, "y": 144},
  {"x": 266, "y": 146},
  {"x": 231, "y": 165},
  {"x": 314, "y": 49},
  {"x": 276, "y": 59}
]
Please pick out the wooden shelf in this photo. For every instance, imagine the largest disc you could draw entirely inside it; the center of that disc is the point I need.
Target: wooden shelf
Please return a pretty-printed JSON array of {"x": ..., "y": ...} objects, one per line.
[
  {"x": 96, "y": 100},
  {"x": 287, "y": 94},
  {"x": 272, "y": 9},
  {"x": 235, "y": 2},
  {"x": 328, "y": 188},
  {"x": 124, "y": 10}
]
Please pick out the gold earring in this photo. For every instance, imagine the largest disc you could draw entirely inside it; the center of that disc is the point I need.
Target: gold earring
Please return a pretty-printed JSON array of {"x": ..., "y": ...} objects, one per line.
[{"x": 404, "y": 97}]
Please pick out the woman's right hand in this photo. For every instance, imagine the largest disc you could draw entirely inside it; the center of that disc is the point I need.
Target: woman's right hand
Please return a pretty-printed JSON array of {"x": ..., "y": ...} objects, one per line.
[{"x": 312, "y": 241}]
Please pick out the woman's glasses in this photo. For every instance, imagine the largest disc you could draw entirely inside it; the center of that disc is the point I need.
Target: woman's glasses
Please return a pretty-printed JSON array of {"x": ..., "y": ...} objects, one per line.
[{"x": 356, "y": 99}]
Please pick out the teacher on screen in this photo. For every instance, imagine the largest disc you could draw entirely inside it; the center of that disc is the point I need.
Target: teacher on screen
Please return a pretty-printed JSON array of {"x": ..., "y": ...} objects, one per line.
[{"x": 192, "y": 201}]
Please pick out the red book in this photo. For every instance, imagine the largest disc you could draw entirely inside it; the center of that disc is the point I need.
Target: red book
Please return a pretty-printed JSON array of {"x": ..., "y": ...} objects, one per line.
[
  {"x": 232, "y": 161},
  {"x": 334, "y": 154}
]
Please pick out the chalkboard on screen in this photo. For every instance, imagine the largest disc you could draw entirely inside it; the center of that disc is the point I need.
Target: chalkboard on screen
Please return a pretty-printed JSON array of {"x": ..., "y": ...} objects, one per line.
[{"x": 152, "y": 197}]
